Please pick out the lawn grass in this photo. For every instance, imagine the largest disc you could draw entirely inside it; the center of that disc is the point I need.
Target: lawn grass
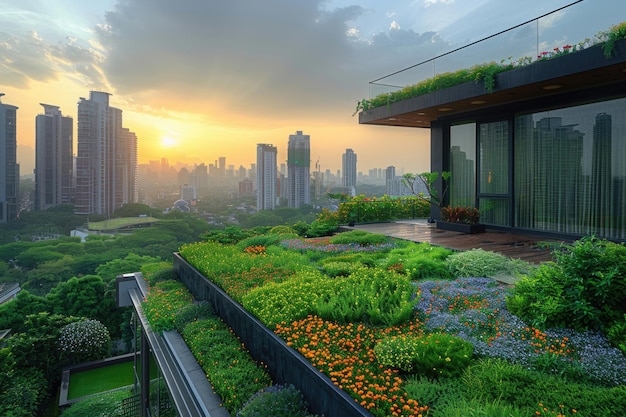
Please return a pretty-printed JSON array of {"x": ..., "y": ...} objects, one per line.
[
  {"x": 103, "y": 379},
  {"x": 120, "y": 223}
]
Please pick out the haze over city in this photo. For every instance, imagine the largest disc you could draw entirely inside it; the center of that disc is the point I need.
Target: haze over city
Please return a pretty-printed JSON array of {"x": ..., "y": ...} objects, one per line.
[{"x": 198, "y": 80}]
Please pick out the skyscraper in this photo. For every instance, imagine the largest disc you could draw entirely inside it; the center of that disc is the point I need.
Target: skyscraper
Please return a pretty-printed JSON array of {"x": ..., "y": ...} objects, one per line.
[
  {"x": 106, "y": 161},
  {"x": 266, "y": 177},
  {"x": 348, "y": 169},
  {"x": 298, "y": 169},
  {"x": 53, "y": 158},
  {"x": 9, "y": 168}
]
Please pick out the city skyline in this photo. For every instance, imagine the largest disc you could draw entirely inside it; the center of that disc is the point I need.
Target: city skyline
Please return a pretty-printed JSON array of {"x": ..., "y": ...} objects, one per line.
[{"x": 215, "y": 81}]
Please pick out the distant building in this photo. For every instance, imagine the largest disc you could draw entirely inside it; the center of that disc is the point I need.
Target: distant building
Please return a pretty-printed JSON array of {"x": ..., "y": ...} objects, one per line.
[
  {"x": 9, "y": 168},
  {"x": 348, "y": 169},
  {"x": 54, "y": 159},
  {"x": 266, "y": 177},
  {"x": 189, "y": 193},
  {"x": 246, "y": 187},
  {"x": 106, "y": 161},
  {"x": 298, "y": 170}
]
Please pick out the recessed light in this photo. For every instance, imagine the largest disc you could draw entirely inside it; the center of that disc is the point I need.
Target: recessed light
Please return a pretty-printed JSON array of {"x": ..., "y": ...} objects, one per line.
[
  {"x": 478, "y": 102},
  {"x": 445, "y": 109},
  {"x": 421, "y": 114},
  {"x": 552, "y": 86}
]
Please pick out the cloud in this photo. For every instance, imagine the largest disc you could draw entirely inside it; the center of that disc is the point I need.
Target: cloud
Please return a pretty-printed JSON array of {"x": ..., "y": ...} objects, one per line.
[{"x": 266, "y": 58}]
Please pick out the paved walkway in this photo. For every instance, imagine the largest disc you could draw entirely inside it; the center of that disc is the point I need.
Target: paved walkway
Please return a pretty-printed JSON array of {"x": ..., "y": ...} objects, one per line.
[{"x": 530, "y": 248}]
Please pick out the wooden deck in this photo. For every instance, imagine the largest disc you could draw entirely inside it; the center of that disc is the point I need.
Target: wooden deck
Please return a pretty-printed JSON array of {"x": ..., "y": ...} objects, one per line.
[{"x": 526, "y": 247}]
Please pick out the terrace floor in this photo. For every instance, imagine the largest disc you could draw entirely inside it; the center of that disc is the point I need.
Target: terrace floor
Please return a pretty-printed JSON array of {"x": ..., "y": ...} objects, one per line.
[{"x": 526, "y": 247}]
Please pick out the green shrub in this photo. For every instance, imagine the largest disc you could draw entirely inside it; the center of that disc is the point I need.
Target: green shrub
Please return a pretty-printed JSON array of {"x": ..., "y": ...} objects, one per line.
[
  {"x": 360, "y": 237},
  {"x": 275, "y": 401},
  {"x": 491, "y": 380},
  {"x": 434, "y": 356},
  {"x": 582, "y": 289},
  {"x": 482, "y": 263},
  {"x": 617, "y": 334},
  {"x": 264, "y": 240},
  {"x": 190, "y": 313},
  {"x": 369, "y": 296},
  {"x": 282, "y": 230},
  {"x": 83, "y": 341},
  {"x": 163, "y": 303},
  {"x": 233, "y": 374},
  {"x": 290, "y": 300},
  {"x": 419, "y": 261},
  {"x": 436, "y": 394}
]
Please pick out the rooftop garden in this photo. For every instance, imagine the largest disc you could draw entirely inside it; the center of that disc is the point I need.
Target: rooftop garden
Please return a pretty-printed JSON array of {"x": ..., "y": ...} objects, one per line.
[
  {"x": 485, "y": 73},
  {"x": 410, "y": 329}
]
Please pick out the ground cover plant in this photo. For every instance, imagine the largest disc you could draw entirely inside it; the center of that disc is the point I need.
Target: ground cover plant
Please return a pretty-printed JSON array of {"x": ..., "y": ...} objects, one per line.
[{"x": 578, "y": 372}]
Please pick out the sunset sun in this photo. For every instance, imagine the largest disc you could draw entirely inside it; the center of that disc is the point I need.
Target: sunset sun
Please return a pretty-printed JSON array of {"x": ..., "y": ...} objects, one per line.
[{"x": 168, "y": 142}]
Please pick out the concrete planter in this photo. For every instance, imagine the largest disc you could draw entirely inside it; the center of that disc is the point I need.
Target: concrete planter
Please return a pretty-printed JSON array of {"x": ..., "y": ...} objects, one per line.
[{"x": 461, "y": 227}]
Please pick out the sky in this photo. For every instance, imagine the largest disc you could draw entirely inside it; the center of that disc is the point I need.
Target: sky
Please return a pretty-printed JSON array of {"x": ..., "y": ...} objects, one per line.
[{"x": 200, "y": 79}]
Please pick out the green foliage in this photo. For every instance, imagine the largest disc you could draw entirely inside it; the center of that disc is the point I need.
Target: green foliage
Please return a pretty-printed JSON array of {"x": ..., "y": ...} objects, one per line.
[
  {"x": 617, "y": 333},
  {"x": 582, "y": 289},
  {"x": 265, "y": 240},
  {"x": 369, "y": 296},
  {"x": 438, "y": 394},
  {"x": 419, "y": 261},
  {"x": 275, "y": 401},
  {"x": 614, "y": 34},
  {"x": 14, "y": 312},
  {"x": 228, "y": 235},
  {"x": 234, "y": 376},
  {"x": 360, "y": 237},
  {"x": 482, "y": 263},
  {"x": 363, "y": 209},
  {"x": 164, "y": 302},
  {"x": 158, "y": 271},
  {"x": 293, "y": 299},
  {"x": 491, "y": 380},
  {"x": 436, "y": 355},
  {"x": 23, "y": 391},
  {"x": 100, "y": 405},
  {"x": 84, "y": 341},
  {"x": 131, "y": 263},
  {"x": 190, "y": 313},
  {"x": 429, "y": 181},
  {"x": 340, "y": 269}
]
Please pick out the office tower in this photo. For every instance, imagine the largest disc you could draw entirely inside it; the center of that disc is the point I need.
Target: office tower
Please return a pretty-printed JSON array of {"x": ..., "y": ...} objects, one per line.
[
  {"x": 221, "y": 167},
  {"x": 390, "y": 175},
  {"x": 266, "y": 177},
  {"x": 9, "y": 168},
  {"x": 298, "y": 169},
  {"x": 106, "y": 161},
  {"x": 348, "y": 168},
  {"x": 53, "y": 158}
]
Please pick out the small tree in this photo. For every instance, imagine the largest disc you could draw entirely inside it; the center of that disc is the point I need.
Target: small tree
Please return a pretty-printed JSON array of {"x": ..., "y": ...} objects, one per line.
[
  {"x": 428, "y": 179},
  {"x": 84, "y": 341}
]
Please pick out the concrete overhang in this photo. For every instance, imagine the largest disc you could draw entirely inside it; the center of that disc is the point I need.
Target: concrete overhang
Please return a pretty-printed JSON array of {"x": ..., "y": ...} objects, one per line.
[{"x": 568, "y": 74}]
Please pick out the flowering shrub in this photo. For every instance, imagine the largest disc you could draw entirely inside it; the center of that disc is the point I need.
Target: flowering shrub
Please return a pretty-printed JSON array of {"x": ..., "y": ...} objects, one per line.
[
  {"x": 362, "y": 209},
  {"x": 163, "y": 303},
  {"x": 345, "y": 353},
  {"x": 435, "y": 355},
  {"x": 255, "y": 250},
  {"x": 84, "y": 341}
]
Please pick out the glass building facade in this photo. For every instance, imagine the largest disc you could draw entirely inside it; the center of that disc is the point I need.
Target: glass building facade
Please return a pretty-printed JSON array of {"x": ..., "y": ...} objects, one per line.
[{"x": 560, "y": 171}]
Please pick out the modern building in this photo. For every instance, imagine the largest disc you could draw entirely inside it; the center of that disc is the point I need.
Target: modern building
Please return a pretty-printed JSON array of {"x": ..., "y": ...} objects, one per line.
[
  {"x": 9, "y": 168},
  {"x": 348, "y": 168},
  {"x": 543, "y": 151},
  {"x": 266, "y": 176},
  {"x": 106, "y": 160},
  {"x": 298, "y": 170},
  {"x": 54, "y": 158}
]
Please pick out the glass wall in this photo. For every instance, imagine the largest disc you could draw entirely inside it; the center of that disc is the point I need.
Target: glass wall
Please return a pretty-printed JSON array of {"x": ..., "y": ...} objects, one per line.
[
  {"x": 463, "y": 165},
  {"x": 570, "y": 170},
  {"x": 493, "y": 191}
]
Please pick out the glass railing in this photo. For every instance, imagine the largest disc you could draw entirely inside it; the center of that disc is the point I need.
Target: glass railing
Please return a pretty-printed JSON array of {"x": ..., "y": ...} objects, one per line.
[{"x": 575, "y": 26}]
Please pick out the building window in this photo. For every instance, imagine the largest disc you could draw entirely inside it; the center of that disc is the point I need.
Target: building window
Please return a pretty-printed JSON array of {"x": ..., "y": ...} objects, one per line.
[
  {"x": 570, "y": 170},
  {"x": 463, "y": 165}
]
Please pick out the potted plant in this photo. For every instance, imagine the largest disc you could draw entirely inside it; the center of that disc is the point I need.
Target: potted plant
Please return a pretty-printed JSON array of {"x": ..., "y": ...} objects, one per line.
[{"x": 461, "y": 219}]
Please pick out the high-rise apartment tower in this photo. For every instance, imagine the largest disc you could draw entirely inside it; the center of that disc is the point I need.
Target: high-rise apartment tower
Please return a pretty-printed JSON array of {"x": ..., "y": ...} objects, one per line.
[
  {"x": 348, "y": 169},
  {"x": 9, "y": 168},
  {"x": 298, "y": 170},
  {"x": 54, "y": 158},
  {"x": 106, "y": 161},
  {"x": 266, "y": 177}
]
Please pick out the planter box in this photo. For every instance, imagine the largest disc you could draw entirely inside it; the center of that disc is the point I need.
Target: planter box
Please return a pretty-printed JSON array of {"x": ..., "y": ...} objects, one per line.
[{"x": 461, "y": 227}]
